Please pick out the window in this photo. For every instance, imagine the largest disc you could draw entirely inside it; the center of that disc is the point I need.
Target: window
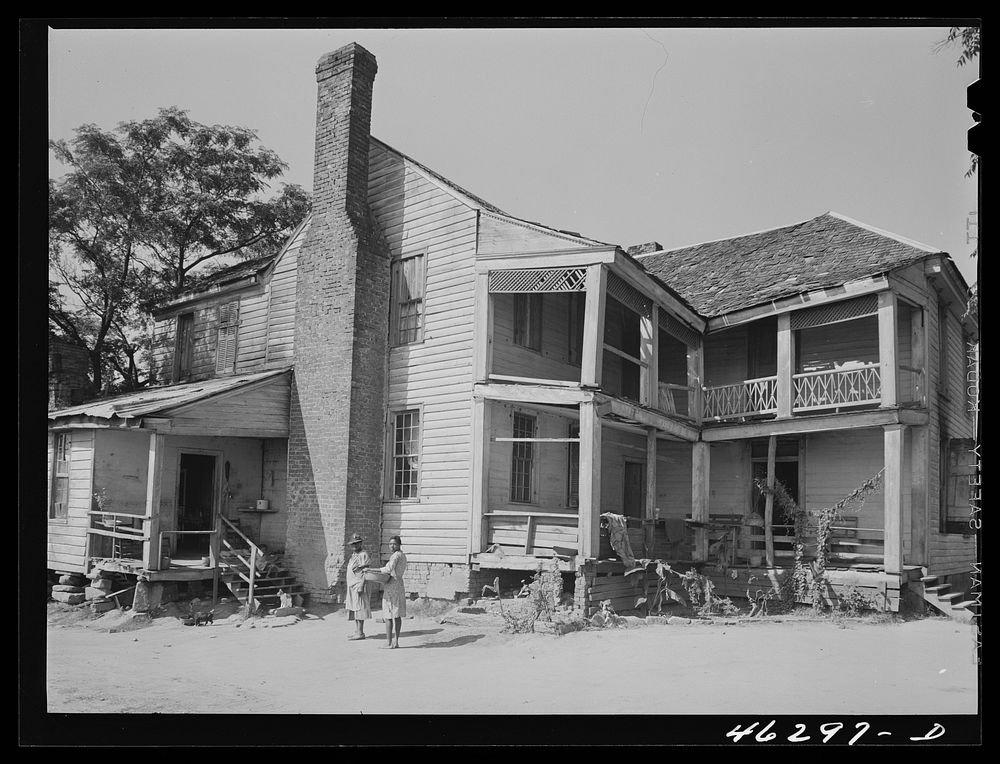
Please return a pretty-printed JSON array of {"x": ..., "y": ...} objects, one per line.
[
  {"x": 522, "y": 459},
  {"x": 225, "y": 348},
  {"x": 528, "y": 321},
  {"x": 60, "y": 477},
  {"x": 183, "y": 346},
  {"x": 405, "y": 467},
  {"x": 573, "y": 469},
  {"x": 958, "y": 472},
  {"x": 406, "y": 307}
]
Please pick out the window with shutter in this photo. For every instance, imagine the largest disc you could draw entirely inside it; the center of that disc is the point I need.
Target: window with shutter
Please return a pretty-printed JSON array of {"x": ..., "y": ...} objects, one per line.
[
  {"x": 60, "y": 477},
  {"x": 225, "y": 349},
  {"x": 183, "y": 347},
  {"x": 406, "y": 301},
  {"x": 522, "y": 463}
]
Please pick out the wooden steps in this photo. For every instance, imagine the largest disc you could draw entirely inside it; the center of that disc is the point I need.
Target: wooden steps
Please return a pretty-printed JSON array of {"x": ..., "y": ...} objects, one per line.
[{"x": 952, "y": 604}]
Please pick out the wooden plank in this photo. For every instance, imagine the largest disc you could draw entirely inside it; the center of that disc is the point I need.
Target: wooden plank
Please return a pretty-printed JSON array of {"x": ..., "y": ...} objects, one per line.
[
  {"x": 480, "y": 472},
  {"x": 856, "y": 420},
  {"x": 887, "y": 350},
  {"x": 893, "y": 501},
  {"x": 772, "y": 446},
  {"x": 593, "y": 326},
  {"x": 650, "y": 509},
  {"x": 529, "y": 394},
  {"x": 590, "y": 481},
  {"x": 696, "y": 381},
  {"x": 154, "y": 474},
  {"x": 483, "y": 331},
  {"x": 649, "y": 389},
  {"x": 786, "y": 365},
  {"x": 700, "y": 493}
]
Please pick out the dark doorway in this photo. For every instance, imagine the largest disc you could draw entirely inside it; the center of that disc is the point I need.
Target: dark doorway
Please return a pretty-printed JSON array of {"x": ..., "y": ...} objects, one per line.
[
  {"x": 195, "y": 500},
  {"x": 634, "y": 500}
]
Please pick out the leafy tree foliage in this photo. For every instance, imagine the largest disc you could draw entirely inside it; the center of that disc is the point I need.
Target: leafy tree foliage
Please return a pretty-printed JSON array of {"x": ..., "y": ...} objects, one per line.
[{"x": 143, "y": 211}]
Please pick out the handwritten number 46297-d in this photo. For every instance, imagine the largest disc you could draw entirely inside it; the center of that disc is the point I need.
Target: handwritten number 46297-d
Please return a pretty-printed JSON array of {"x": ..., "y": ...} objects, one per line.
[{"x": 828, "y": 730}]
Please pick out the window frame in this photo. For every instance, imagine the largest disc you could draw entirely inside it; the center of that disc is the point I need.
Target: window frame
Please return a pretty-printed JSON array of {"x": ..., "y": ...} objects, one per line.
[
  {"x": 66, "y": 440},
  {"x": 228, "y": 321},
  {"x": 515, "y": 460},
  {"x": 527, "y": 327},
  {"x": 392, "y": 456},
  {"x": 183, "y": 345},
  {"x": 395, "y": 305},
  {"x": 573, "y": 469}
]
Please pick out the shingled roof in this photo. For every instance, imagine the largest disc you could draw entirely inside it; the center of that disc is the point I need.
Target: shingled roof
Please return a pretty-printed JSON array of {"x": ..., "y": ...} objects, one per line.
[{"x": 722, "y": 276}]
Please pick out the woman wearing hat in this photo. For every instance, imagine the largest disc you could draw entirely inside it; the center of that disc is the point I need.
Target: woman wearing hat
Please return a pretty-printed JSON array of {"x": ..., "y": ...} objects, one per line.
[
  {"x": 359, "y": 607},
  {"x": 393, "y": 592}
]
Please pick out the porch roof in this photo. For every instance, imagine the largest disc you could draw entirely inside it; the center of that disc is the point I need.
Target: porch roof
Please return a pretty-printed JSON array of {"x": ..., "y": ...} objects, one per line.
[{"x": 162, "y": 401}]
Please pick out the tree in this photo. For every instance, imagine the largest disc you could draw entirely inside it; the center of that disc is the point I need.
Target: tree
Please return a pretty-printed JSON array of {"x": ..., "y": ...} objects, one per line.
[
  {"x": 967, "y": 38},
  {"x": 144, "y": 209}
]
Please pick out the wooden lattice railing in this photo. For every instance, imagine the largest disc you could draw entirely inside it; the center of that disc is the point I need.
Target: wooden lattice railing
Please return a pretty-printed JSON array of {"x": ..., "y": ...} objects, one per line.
[
  {"x": 746, "y": 398},
  {"x": 837, "y": 388}
]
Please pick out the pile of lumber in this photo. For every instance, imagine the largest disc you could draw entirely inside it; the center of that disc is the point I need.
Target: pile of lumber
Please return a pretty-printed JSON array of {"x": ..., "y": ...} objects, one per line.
[{"x": 620, "y": 591}]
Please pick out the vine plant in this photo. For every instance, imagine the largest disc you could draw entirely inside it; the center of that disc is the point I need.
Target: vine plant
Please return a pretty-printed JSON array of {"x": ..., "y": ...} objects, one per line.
[{"x": 824, "y": 520}]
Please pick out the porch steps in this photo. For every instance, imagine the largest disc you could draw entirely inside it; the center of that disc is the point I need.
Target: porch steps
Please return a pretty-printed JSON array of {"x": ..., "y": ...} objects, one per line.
[
  {"x": 235, "y": 574},
  {"x": 952, "y": 604}
]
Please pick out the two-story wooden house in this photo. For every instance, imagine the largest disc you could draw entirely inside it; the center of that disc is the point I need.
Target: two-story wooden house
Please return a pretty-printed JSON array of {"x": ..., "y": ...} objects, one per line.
[{"x": 417, "y": 362}]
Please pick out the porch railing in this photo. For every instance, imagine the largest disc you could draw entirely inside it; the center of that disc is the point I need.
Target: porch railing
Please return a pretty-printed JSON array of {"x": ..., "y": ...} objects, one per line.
[
  {"x": 747, "y": 398},
  {"x": 837, "y": 388},
  {"x": 255, "y": 552},
  {"x": 542, "y": 534},
  {"x": 127, "y": 538},
  {"x": 674, "y": 399}
]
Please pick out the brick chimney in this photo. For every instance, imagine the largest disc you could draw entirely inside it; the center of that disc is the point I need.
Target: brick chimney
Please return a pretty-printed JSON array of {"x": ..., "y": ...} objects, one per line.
[
  {"x": 644, "y": 249},
  {"x": 336, "y": 437}
]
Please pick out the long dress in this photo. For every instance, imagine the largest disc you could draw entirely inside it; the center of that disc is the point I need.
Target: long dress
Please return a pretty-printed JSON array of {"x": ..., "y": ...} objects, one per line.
[
  {"x": 393, "y": 592},
  {"x": 358, "y": 591}
]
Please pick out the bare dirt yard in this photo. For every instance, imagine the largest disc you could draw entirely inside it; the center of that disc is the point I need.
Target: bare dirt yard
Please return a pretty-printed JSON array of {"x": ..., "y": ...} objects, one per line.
[{"x": 460, "y": 663}]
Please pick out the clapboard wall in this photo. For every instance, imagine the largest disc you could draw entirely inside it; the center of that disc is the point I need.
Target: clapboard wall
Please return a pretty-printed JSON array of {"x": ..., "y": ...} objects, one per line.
[
  {"x": 67, "y": 537},
  {"x": 552, "y": 360}
]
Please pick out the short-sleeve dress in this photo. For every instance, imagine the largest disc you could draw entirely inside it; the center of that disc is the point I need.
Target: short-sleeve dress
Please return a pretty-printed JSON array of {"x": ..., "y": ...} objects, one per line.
[
  {"x": 393, "y": 592},
  {"x": 358, "y": 592}
]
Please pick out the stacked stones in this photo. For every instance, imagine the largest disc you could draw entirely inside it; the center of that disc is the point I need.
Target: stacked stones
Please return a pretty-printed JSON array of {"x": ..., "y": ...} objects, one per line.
[
  {"x": 69, "y": 588},
  {"x": 96, "y": 594}
]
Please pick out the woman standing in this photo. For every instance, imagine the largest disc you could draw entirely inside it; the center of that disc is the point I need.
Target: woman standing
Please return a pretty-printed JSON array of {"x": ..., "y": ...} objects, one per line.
[
  {"x": 394, "y": 593},
  {"x": 359, "y": 607}
]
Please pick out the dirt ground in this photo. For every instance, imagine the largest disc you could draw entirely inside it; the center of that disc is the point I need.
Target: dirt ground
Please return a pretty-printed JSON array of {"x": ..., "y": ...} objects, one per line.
[{"x": 458, "y": 663}]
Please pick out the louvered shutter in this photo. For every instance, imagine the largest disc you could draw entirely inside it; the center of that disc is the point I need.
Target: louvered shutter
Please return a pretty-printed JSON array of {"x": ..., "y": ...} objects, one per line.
[{"x": 225, "y": 354}]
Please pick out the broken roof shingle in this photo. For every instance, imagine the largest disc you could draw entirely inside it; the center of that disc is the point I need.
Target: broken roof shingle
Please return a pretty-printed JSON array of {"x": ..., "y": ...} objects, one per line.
[{"x": 722, "y": 276}]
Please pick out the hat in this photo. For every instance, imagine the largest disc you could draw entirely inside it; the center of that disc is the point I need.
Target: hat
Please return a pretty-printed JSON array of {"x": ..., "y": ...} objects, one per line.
[{"x": 355, "y": 539}]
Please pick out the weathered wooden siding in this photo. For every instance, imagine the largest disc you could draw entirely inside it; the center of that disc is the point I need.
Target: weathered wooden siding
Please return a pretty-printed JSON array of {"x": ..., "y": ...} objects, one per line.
[
  {"x": 418, "y": 216},
  {"x": 501, "y": 236},
  {"x": 835, "y": 345},
  {"x": 281, "y": 290},
  {"x": 726, "y": 356},
  {"x": 837, "y": 463},
  {"x": 251, "y": 337},
  {"x": 67, "y": 539},
  {"x": 258, "y": 412},
  {"x": 552, "y": 361},
  {"x": 728, "y": 481},
  {"x": 162, "y": 348},
  {"x": 617, "y": 448},
  {"x": 673, "y": 479},
  {"x": 121, "y": 464}
]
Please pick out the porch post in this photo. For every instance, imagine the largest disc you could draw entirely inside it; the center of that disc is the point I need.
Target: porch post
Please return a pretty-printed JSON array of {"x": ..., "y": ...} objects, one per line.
[
  {"x": 592, "y": 358},
  {"x": 482, "y": 362},
  {"x": 786, "y": 365},
  {"x": 772, "y": 450},
  {"x": 887, "y": 347},
  {"x": 649, "y": 524},
  {"x": 154, "y": 472},
  {"x": 649, "y": 388},
  {"x": 918, "y": 345},
  {"x": 589, "y": 522},
  {"x": 893, "y": 435},
  {"x": 919, "y": 464},
  {"x": 700, "y": 464},
  {"x": 480, "y": 473},
  {"x": 695, "y": 380}
]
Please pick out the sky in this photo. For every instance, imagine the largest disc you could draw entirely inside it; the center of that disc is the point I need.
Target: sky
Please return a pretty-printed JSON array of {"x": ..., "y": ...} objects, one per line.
[{"x": 625, "y": 135}]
